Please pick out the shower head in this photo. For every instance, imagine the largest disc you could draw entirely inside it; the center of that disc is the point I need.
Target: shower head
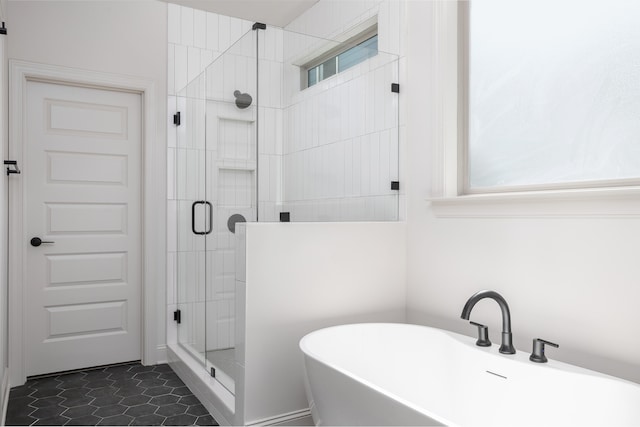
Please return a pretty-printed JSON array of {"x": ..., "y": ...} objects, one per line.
[{"x": 243, "y": 100}]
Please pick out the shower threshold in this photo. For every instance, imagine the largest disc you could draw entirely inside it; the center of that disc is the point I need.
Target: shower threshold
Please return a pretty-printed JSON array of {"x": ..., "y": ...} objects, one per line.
[
  {"x": 224, "y": 360},
  {"x": 218, "y": 400}
]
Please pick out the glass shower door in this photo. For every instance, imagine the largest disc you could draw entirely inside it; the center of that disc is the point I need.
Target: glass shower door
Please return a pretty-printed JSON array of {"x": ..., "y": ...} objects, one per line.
[
  {"x": 231, "y": 174},
  {"x": 216, "y": 174},
  {"x": 193, "y": 215}
]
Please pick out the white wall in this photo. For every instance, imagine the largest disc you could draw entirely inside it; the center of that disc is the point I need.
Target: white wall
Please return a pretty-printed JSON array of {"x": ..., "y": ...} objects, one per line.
[
  {"x": 124, "y": 37},
  {"x": 301, "y": 277},
  {"x": 571, "y": 280}
]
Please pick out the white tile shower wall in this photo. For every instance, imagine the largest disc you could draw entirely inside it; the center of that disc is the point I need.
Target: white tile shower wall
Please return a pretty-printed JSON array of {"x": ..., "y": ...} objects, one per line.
[
  {"x": 195, "y": 39},
  {"x": 341, "y": 138},
  {"x": 194, "y": 35}
]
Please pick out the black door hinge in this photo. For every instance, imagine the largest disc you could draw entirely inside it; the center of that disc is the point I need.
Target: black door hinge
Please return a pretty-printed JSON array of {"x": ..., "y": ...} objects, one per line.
[
  {"x": 13, "y": 163},
  {"x": 395, "y": 185},
  {"x": 3, "y": 30},
  {"x": 395, "y": 87},
  {"x": 177, "y": 316},
  {"x": 213, "y": 372},
  {"x": 176, "y": 119}
]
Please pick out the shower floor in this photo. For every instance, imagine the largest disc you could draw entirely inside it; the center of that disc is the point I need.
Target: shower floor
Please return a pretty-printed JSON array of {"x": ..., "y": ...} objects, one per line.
[{"x": 224, "y": 360}]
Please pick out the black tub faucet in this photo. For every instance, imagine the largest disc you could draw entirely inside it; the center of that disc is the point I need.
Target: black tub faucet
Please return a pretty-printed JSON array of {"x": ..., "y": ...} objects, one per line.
[{"x": 507, "y": 344}]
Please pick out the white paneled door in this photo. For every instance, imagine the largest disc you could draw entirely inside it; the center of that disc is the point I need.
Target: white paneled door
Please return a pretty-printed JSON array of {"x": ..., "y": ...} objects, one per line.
[{"x": 83, "y": 201}]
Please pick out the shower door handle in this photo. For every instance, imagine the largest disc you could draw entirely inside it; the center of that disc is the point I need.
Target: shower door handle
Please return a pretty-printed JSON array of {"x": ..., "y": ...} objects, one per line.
[
  {"x": 193, "y": 217},
  {"x": 210, "y": 218}
]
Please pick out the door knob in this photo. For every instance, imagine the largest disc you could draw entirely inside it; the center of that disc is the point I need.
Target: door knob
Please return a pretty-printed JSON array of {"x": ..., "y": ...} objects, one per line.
[{"x": 36, "y": 241}]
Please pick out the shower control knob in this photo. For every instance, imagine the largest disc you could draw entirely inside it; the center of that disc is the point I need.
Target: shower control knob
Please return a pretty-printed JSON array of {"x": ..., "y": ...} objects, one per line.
[{"x": 36, "y": 241}]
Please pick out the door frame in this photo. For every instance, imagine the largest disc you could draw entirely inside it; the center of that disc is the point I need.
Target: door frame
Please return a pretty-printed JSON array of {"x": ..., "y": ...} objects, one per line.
[{"x": 152, "y": 207}]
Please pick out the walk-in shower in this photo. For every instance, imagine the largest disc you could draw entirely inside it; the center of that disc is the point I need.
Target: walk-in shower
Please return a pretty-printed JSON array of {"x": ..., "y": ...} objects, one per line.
[{"x": 258, "y": 140}]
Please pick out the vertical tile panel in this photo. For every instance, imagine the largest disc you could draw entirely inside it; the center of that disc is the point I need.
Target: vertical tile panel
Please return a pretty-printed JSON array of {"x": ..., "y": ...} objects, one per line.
[
  {"x": 235, "y": 30},
  {"x": 200, "y": 29},
  {"x": 338, "y": 162},
  {"x": 181, "y": 76},
  {"x": 242, "y": 76},
  {"x": 212, "y": 31},
  {"x": 201, "y": 281},
  {"x": 384, "y": 180},
  {"x": 394, "y": 153},
  {"x": 326, "y": 170},
  {"x": 276, "y": 185},
  {"x": 224, "y": 37},
  {"x": 270, "y": 44},
  {"x": 171, "y": 173},
  {"x": 191, "y": 179},
  {"x": 228, "y": 78},
  {"x": 206, "y": 58},
  {"x": 345, "y": 103},
  {"x": 314, "y": 122},
  {"x": 390, "y": 99},
  {"x": 304, "y": 181},
  {"x": 268, "y": 125},
  {"x": 172, "y": 231},
  {"x": 286, "y": 181},
  {"x": 348, "y": 168},
  {"x": 365, "y": 166},
  {"x": 357, "y": 166},
  {"x": 180, "y": 190},
  {"x": 186, "y": 26},
  {"x": 263, "y": 177},
  {"x": 193, "y": 63},
  {"x": 216, "y": 79},
  {"x": 171, "y": 278},
  {"x": 374, "y": 172},
  {"x": 359, "y": 110},
  {"x": 279, "y": 131},
  {"x": 379, "y": 100}
]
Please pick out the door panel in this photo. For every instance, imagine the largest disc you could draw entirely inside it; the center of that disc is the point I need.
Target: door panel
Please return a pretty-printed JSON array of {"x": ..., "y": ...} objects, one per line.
[{"x": 83, "y": 192}]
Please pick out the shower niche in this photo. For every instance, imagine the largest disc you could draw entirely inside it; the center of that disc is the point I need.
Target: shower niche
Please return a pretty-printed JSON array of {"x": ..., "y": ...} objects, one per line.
[{"x": 256, "y": 141}]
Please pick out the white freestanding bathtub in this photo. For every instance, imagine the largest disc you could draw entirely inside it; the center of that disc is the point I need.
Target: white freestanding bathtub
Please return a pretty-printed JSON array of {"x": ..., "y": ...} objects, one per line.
[{"x": 398, "y": 374}]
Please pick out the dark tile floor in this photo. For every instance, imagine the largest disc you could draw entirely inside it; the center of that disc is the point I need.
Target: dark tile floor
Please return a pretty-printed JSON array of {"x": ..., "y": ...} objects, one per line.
[{"x": 128, "y": 394}]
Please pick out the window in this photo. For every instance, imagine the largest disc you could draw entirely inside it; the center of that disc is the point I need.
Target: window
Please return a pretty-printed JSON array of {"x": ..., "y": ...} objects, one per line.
[
  {"x": 553, "y": 95},
  {"x": 337, "y": 63}
]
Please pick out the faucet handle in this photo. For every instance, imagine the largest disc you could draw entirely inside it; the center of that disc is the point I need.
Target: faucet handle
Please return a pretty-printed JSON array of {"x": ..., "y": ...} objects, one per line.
[
  {"x": 538, "y": 350},
  {"x": 483, "y": 335}
]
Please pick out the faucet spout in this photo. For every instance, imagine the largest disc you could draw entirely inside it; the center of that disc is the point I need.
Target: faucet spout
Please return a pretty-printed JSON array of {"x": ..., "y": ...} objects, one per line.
[{"x": 507, "y": 344}]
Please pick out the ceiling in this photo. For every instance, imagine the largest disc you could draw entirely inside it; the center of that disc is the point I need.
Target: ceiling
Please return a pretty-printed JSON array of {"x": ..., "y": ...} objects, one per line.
[{"x": 273, "y": 12}]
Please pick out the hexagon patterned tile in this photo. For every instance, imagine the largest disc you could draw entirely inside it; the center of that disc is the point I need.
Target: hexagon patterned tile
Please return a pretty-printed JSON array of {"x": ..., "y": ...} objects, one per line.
[{"x": 127, "y": 394}]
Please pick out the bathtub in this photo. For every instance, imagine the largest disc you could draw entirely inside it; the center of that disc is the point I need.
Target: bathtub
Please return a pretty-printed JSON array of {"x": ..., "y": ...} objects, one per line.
[{"x": 398, "y": 374}]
